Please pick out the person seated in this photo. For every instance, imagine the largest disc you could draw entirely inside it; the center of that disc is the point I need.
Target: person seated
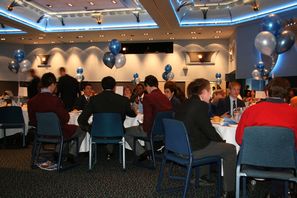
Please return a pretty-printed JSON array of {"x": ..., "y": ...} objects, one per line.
[
  {"x": 83, "y": 100},
  {"x": 174, "y": 93},
  {"x": 127, "y": 92},
  {"x": 204, "y": 139},
  {"x": 216, "y": 96},
  {"x": 137, "y": 97},
  {"x": 46, "y": 101},
  {"x": 106, "y": 102},
  {"x": 226, "y": 106}
]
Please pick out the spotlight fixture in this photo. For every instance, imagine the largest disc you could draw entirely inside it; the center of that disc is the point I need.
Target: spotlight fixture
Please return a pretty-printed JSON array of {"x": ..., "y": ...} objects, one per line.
[
  {"x": 12, "y": 5},
  {"x": 137, "y": 16},
  {"x": 40, "y": 18},
  {"x": 62, "y": 21},
  {"x": 98, "y": 17},
  {"x": 184, "y": 4},
  {"x": 204, "y": 11}
]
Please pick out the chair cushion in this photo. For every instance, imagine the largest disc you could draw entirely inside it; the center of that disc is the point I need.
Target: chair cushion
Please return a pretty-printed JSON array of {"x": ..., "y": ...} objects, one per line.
[{"x": 282, "y": 175}]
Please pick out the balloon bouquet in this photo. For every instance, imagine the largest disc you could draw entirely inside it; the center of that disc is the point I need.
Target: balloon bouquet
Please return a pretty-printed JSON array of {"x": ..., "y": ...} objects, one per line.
[
  {"x": 114, "y": 57},
  {"x": 168, "y": 74},
  {"x": 79, "y": 74},
  {"x": 19, "y": 63},
  {"x": 136, "y": 79},
  {"x": 271, "y": 42},
  {"x": 218, "y": 78}
]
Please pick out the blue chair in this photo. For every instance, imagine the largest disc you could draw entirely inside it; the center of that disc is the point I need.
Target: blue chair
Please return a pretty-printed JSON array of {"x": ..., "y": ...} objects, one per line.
[
  {"x": 12, "y": 118},
  {"x": 107, "y": 128},
  {"x": 264, "y": 151},
  {"x": 156, "y": 134},
  {"x": 178, "y": 150},
  {"x": 49, "y": 132}
]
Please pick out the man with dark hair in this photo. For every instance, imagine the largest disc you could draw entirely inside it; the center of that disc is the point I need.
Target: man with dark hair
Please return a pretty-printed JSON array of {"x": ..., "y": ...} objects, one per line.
[
  {"x": 68, "y": 89},
  {"x": 226, "y": 106},
  {"x": 83, "y": 100},
  {"x": 153, "y": 102},
  {"x": 106, "y": 102},
  {"x": 33, "y": 86},
  {"x": 45, "y": 101}
]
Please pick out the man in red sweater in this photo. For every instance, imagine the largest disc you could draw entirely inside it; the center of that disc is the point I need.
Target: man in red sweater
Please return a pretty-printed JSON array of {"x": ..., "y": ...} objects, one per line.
[
  {"x": 153, "y": 102},
  {"x": 274, "y": 111}
]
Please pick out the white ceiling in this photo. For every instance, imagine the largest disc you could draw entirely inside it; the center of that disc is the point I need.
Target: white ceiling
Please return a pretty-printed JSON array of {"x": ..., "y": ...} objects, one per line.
[{"x": 129, "y": 20}]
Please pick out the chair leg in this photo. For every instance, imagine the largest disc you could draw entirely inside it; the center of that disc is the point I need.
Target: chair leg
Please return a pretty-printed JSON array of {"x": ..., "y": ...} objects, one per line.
[
  {"x": 90, "y": 154},
  {"x": 244, "y": 186},
  {"x": 60, "y": 156},
  {"x": 134, "y": 150},
  {"x": 197, "y": 176},
  {"x": 187, "y": 180},
  {"x": 237, "y": 182},
  {"x": 33, "y": 154},
  {"x": 23, "y": 137},
  {"x": 161, "y": 174},
  {"x": 219, "y": 179},
  {"x": 95, "y": 153},
  {"x": 153, "y": 153},
  {"x": 286, "y": 186},
  {"x": 124, "y": 153}
]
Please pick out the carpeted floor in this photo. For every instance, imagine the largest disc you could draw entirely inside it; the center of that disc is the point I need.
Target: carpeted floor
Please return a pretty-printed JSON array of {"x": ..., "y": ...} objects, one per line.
[{"x": 107, "y": 179}]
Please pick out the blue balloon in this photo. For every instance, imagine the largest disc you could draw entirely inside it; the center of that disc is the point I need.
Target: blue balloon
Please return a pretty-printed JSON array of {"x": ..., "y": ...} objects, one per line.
[
  {"x": 260, "y": 66},
  {"x": 19, "y": 55},
  {"x": 80, "y": 70},
  {"x": 272, "y": 23},
  {"x": 168, "y": 68},
  {"x": 164, "y": 76},
  {"x": 115, "y": 46},
  {"x": 218, "y": 75},
  {"x": 14, "y": 66},
  {"x": 109, "y": 59},
  {"x": 285, "y": 41},
  {"x": 135, "y": 75}
]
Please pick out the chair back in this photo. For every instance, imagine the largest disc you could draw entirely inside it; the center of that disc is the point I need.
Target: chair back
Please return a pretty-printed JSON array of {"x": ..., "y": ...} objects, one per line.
[
  {"x": 268, "y": 147},
  {"x": 158, "y": 126},
  {"x": 176, "y": 137},
  {"x": 107, "y": 125},
  {"x": 11, "y": 115},
  {"x": 48, "y": 124}
]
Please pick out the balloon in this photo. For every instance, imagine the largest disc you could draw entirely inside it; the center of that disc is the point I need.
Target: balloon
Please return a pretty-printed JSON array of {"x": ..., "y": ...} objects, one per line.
[
  {"x": 120, "y": 60},
  {"x": 109, "y": 59},
  {"x": 269, "y": 61},
  {"x": 25, "y": 65},
  {"x": 135, "y": 75},
  {"x": 170, "y": 76},
  {"x": 14, "y": 66},
  {"x": 115, "y": 46},
  {"x": 80, "y": 77},
  {"x": 164, "y": 76},
  {"x": 272, "y": 23},
  {"x": 219, "y": 81},
  {"x": 136, "y": 80},
  {"x": 218, "y": 75},
  {"x": 168, "y": 68},
  {"x": 79, "y": 70},
  {"x": 19, "y": 55},
  {"x": 285, "y": 41},
  {"x": 265, "y": 74},
  {"x": 260, "y": 66},
  {"x": 265, "y": 42},
  {"x": 256, "y": 74}
]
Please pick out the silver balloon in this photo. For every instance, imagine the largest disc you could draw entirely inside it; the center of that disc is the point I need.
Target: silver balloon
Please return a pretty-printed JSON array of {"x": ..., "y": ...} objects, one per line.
[
  {"x": 25, "y": 65},
  {"x": 80, "y": 77},
  {"x": 219, "y": 81},
  {"x": 120, "y": 61},
  {"x": 136, "y": 81},
  {"x": 265, "y": 42},
  {"x": 265, "y": 74},
  {"x": 256, "y": 74},
  {"x": 170, "y": 76}
]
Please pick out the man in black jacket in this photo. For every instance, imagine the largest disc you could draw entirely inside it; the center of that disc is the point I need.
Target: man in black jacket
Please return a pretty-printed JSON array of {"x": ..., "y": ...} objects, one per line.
[
  {"x": 33, "y": 86},
  {"x": 83, "y": 100}
]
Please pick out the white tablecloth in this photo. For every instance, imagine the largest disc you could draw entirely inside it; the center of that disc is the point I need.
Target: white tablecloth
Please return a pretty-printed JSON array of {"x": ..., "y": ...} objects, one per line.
[{"x": 227, "y": 133}]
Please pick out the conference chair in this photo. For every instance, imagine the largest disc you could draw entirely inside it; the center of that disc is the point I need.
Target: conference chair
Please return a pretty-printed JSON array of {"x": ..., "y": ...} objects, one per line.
[
  {"x": 155, "y": 135},
  {"x": 178, "y": 151},
  {"x": 266, "y": 152},
  {"x": 107, "y": 128},
  {"x": 49, "y": 132},
  {"x": 12, "y": 118}
]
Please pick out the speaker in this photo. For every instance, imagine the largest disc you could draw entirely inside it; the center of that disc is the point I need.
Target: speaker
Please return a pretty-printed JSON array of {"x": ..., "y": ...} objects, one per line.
[{"x": 146, "y": 48}]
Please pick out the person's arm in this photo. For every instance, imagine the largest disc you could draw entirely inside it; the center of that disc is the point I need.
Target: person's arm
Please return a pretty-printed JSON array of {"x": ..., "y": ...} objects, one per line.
[
  {"x": 62, "y": 112},
  {"x": 205, "y": 125},
  {"x": 147, "y": 114},
  {"x": 128, "y": 109},
  {"x": 241, "y": 126},
  {"x": 221, "y": 108},
  {"x": 78, "y": 103},
  {"x": 83, "y": 119}
]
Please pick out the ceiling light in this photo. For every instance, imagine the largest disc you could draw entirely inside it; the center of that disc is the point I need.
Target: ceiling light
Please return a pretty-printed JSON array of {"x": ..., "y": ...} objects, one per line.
[
  {"x": 194, "y": 37},
  {"x": 48, "y": 5},
  {"x": 71, "y": 41},
  {"x": 193, "y": 32},
  {"x": 22, "y": 38},
  {"x": 35, "y": 42},
  {"x": 151, "y": 39},
  {"x": 40, "y": 38},
  {"x": 216, "y": 37},
  {"x": 114, "y": 2},
  {"x": 90, "y": 41},
  {"x": 168, "y": 33},
  {"x": 80, "y": 36},
  {"x": 123, "y": 34},
  {"x": 218, "y": 31},
  {"x": 98, "y": 17},
  {"x": 101, "y": 35},
  {"x": 3, "y": 39},
  {"x": 69, "y": 4},
  {"x": 124, "y": 48},
  {"x": 145, "y": 34},
  {"x": 91, "y": 3},
  {"x": 53, "y": 42},
  {"x": 171, "y": 38}
]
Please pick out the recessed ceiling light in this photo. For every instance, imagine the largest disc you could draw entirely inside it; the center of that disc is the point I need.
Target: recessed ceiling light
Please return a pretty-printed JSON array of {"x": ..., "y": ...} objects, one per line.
[
  {"x": 22, "y": 38},
  {"x": 124, "y": 48},
  {"x": 171, "y": 38},
  {"x": 114, "y": 1},
  {"x": 101, "y": 35},
  {"x": 69, "y": 4},
  {"x": 218, "y": 31},
  {"x": 61, "y": 37},
  {"x": 145, "y": 34},
  {"x": 168, "y": 33},
  {"x": 90, "y": 41},
  {"x": 194, "y": 37},
  {"x": 123, "y": 34},
  {"x": 3, "y": 39},
  {"x": 109, "y": 40},
  {"x": 216, "y": 37},
  {"x": 71, "y": 41},
  {"x": 151, "y": 39},
  {"x": 193, "y": 32},
  {"x": 91, "y": 3},
  {"x": 80, "y": 36},
  {"x": 35, "y": 42},
  {"x": 48, "y": 5},
  {"x": 131, "y": 39},
  {"x": 53, "y": 42},
  {"x": 40, "y": 38}
]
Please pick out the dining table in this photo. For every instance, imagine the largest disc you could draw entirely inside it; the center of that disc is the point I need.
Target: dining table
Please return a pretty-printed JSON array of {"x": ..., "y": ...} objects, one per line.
[{"x": 227, "y": 132}]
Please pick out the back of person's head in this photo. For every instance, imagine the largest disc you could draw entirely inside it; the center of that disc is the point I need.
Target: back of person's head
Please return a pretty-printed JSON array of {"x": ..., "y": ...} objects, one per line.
[
  {"x": 108, "y": 82},
  {"x": 151, "y": 81},
  {"x": 278, "y": 87},
  {"x": 62, "y": 69},
  {"x": 197, "y": 86},
  {"x": 47, "y": 79}
]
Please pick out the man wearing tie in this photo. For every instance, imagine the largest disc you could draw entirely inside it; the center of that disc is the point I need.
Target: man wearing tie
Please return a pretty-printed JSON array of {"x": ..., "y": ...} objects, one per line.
[
  {"x": 83, "y": 100},
  {"x": 227, "y": 105}
]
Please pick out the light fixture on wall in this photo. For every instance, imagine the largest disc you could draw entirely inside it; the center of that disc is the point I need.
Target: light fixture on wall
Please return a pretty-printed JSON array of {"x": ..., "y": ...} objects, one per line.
[{"x": 43, "y": 60}]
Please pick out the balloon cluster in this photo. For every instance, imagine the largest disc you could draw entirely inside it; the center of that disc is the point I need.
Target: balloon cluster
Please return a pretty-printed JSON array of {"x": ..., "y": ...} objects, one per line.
[
  {"x": 272, "y": 41},
  {"x": 136, "y": 79},
  {"x": 260, "y": 72},
  {"x": 114, "y": 57},
  {"x": 218, "y": 78},
  {"x": 168, "y": 74},
  {"x": 19, "y": 63},
  {"x": 79, "y": 74}
]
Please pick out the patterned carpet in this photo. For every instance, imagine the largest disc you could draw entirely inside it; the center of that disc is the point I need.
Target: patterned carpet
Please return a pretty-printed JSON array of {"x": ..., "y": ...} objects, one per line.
[{"x": 107, "y": 179}]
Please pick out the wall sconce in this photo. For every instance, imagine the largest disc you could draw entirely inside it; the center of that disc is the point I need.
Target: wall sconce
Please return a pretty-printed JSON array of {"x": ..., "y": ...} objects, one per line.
[
  {"x": 185, "y": 70},
  {"x": 43, "y": 60},
  {"x": 200, "y": 58}
]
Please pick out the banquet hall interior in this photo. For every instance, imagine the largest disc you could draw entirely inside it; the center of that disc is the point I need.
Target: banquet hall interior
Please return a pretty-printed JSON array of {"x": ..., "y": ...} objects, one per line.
[{"x": 174, "y": 40}]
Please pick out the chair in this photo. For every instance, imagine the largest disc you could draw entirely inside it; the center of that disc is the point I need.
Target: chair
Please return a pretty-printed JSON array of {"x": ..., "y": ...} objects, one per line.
[
  {"x": 107, "y": 128},
  {"x": 264, "y": 151},
  {"x": 12, "y": 118},
  {"x": 156, "y": 134},
  {"x": 178, "y": 150},
  {"x": 49, "y": 132}
]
